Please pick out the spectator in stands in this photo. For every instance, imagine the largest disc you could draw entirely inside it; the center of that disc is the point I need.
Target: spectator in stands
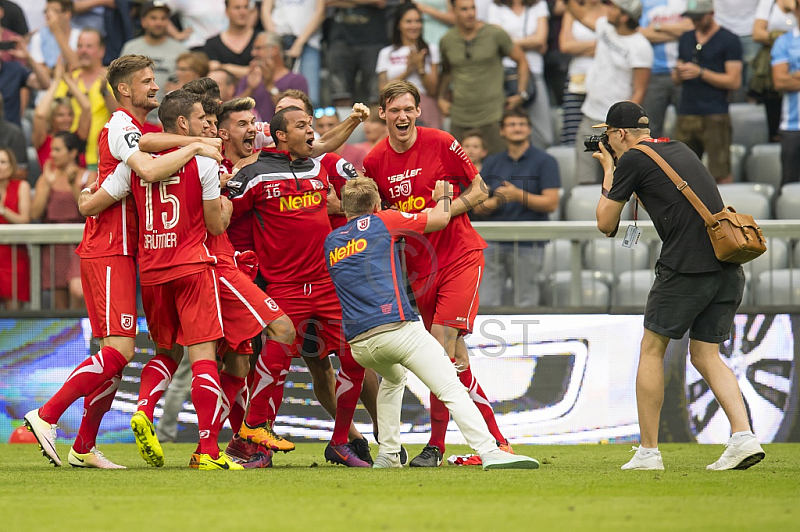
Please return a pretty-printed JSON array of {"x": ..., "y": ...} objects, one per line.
[
  {"x": 472, "y": 56},
  {"x": 8, "y": 38},
  {"x": 662, "y": 23},
  {"x": 327, "y": 119},
  {"x": 738, "y": 17},
  {"x": 523, "y": 182},
  {"x": 556, "y": 62},
  {"x": 411, "y": 58},
  {"x": 156, "y": 43},
  {"x": 58, "y": 38},
  {"x": 526, "y": 22},
  {"x": 473, "y": 146},
  {"x": 200, "y": 20},
  {"x": 33, "y": 11},
  {"x": 709, "y": 67},
  {"x": 13, "y": 18},
  {"x": 55, "y": 201},
  {"x": 232, "y": 49},
  {"x": 357, "y": 35},
  {"x": 18, "y": 75},
  {"x": 56, "y": 115},
  {"x": 268, "y": 75},
  {"x": 437, "y": 19},
  {"x": 12, "y": 138},
  {"x": 90, "y": 78},
  {"x": 189, "y": 66},
  {"x": 786, "y": 76},
  {"x": 298, "y": 22},
  {"x": 15, "y": 208},
  {"x": 578, "y": 41},
  {"x": 227, "y": 83},
  {"x": 90, "y": 14},
  {"x": 620, "y": 71},
  {"x": 375, "y": 130},
  {"x": 773, "y": 19}
]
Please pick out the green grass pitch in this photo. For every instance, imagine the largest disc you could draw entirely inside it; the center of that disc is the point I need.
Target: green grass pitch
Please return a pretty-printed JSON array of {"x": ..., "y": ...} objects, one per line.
[{"x": 578, "y": 487}]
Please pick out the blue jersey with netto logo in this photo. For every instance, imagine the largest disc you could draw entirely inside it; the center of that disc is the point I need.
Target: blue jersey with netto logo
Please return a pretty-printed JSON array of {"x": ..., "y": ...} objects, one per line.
[{"x": 364, "y": 263}]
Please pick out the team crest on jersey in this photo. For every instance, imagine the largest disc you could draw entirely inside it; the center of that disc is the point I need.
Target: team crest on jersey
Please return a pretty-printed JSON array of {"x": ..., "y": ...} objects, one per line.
[
  {"x": 126, "y": 320},
  {"x": 363, "y": 224},
  {"x": 386, "y": 309},
  {"x": 317, "y": 184},
  {"x": 272, "y": 305},
  {"x": 349, "y": 170},
  {"x": 133, "y": 138}
]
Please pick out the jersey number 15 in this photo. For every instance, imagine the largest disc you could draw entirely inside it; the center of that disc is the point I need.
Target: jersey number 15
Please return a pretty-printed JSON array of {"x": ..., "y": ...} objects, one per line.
[{"x": 165, "y": 198}]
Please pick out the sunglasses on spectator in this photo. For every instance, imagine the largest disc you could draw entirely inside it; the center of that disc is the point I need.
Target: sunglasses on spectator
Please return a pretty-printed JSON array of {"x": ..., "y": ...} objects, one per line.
[
  {"x": 327, "y": 111},
  {"x": 468, "y": 49}
]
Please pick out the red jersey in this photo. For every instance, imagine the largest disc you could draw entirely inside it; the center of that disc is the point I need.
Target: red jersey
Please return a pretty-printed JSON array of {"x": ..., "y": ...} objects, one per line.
[
  {"x": 114, "y": 231},
  {"x": 406, "y": 180},
  {"x": 339, "y": 171},
  {"x": 220, "y": 245},
  {"x": 173, "y": 232},
  {"x": 289, "y": 201},
  {"x": 240, "y": 229}
]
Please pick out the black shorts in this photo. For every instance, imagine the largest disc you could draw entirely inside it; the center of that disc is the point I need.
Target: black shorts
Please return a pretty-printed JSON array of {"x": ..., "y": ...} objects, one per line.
[{"x": 702, "y": 303}]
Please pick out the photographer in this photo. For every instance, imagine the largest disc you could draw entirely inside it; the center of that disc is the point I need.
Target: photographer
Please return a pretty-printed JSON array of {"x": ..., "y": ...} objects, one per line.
[{"x": 693, "y": 290}]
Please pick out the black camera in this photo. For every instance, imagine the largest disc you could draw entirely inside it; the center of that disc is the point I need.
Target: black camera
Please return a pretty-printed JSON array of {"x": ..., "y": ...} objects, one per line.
[{"x": 592, "y": 143}]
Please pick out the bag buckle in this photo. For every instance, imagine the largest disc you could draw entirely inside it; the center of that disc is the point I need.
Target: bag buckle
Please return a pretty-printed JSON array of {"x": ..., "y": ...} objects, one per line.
[{"x": 683, "y": 185}]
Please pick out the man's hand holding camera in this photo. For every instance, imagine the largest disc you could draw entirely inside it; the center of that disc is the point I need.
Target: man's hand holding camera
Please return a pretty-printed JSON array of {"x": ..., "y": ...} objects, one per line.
[{"x": 605, "y": 157}]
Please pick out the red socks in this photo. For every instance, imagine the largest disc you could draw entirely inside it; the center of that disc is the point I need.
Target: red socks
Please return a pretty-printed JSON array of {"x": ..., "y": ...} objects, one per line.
[
  {"x": 267, "y": 389},
  {"x": 234, "y": 389},
  {"x": 91, "y": 374},
  {"x": 440, "y": 417},
  {"x": 348, "y": 387},
  {"x": 156, "y": 376},
  {"x": 95, "y": 407},
  {"x": 482, "y": 402},
  {"x": 208, "y": 402}
]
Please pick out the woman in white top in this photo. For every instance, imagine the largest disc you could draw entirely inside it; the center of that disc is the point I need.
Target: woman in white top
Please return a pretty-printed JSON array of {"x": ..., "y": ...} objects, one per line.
[
  {"x": 578, "y": 41},
  {"x": 409, "y": 57},
  {"x": 298, "y": 22},
  {"x": 773, "y": 18},
  {"x": 526, "y": 22}
]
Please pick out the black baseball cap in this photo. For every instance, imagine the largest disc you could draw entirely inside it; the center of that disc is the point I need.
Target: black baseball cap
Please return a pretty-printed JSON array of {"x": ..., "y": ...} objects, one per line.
[
  {"x": 155, "y": 4},
  {"x": 626, "y": 115}
]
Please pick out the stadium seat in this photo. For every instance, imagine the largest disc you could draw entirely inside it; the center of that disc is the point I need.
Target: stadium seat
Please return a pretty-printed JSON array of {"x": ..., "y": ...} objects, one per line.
[
  {"x": 778, "y": 288},
  {"x": 747, "y": 198},
  {"x": 775, "y": 258},
  {"x": 749, "y": 124},
  {"x": 557, "y": 257},
  {"x": 738, "y": 153},
  {"x": 608, "y": 255},
  {"x": 669, "y": 121},
  {"x": 582, "y": 204},
  {"x": 765, "y": 189},
  {"x": 788, "y": 205},
  {"x": 764, "y": 165},
  {"x": 557, "y": 121},
  {"x": 565, "y": 157},
  {"x": 556, "y": 215},
  {"x": 632, "y": 287},
  {"x": 594, "y": 290}
]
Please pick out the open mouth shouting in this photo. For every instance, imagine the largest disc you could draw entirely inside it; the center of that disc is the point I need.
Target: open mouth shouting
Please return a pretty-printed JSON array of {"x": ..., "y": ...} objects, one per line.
[{"x": 248, "y": 143}]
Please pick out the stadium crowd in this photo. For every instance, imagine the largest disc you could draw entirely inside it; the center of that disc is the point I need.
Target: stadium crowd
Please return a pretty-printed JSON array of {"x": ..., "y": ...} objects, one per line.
[{"x": 226, "y": 96}]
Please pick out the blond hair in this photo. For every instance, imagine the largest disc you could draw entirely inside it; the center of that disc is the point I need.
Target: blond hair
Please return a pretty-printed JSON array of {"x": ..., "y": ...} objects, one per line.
[
  {"x": 359, "y": 196},
  {"x": 395, "y": 89},
  {"x": 122, "y": 69}
]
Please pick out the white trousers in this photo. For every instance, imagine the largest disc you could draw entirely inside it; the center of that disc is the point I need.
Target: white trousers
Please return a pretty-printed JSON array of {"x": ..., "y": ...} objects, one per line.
[{"x": 412, "y": 347}]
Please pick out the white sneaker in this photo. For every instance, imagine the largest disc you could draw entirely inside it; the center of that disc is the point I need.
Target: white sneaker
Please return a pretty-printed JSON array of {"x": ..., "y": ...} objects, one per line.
[
  {"x": 45, "y": 434},
  {"x": 497, "y": 459},
  {"x": 94, "y": 458},
  {"x": 744, "y": 453},
  {"x": 385, "y": 460},
  {"x": 645, "y": 461}
]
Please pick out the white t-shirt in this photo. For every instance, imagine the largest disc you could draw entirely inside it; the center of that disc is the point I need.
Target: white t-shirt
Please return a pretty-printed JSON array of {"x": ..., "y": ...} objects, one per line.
[
  {"x": 205, "y": 17},
  {"x": 35, "y": 46},
  {"x": 776, "y": 19},
  {"x": 394, "y": 62},
  {"x": 736, "y": 16},
  {"x": 519, "y": 26},
  {"x": 580, "y": 64},
  {"x": 611, "y": 77},
  {"x": 292, "y": 16}
]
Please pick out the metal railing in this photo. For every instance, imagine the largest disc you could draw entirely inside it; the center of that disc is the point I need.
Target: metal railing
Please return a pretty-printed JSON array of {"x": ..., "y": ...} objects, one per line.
[{"x": 576, "y": 235}]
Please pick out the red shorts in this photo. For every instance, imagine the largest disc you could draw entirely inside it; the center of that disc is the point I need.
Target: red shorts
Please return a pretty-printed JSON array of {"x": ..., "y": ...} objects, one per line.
[
  {"x": 313, "y": 304},
  {"x": 449, "y": 296},
  {"x": 185, "y": 310},
  {"x": 109, "y": 287},
  {"x": 246, "y": 310}
]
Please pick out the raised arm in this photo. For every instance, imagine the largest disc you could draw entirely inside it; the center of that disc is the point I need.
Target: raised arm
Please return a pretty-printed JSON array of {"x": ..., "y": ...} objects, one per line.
[
  {"x": 333, "y": 139},
  {"x": 579, "y": 11},
  {"x": 567, "y": 42},
  {"x": 85, "y": 120}
]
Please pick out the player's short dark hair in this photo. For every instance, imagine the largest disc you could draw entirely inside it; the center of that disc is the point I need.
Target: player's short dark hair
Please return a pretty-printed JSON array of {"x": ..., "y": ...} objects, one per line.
[
  {"x": 515, "y": 112},
  {"x": 205, "y": 87},
  {"x": 233, "y": 106},
  {"x": 359, "y": 196},
  {"x": 122, "y": 69},
  {"x": 395, "y": 89},
  {"x": 279, "y": 122},
  {"x": 297, "y": 94},
  {"x": 176, "y": 104}
]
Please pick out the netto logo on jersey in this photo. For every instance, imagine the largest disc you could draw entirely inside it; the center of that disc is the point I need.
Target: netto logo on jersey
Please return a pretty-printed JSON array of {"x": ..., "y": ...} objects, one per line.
[
  {"x": 413, "y": 203},
  {"x": 342, "y": 252},
  {"x": 309, "y": 200},
  {"x": 405, "y": 175}
]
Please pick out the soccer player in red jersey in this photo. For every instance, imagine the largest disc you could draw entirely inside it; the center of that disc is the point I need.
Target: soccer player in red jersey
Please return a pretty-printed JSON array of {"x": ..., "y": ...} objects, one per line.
[
  {"x": 444, "y": 267},
  {"x": 108, "y": 272},
  {"x": 287, "y": 190},
  {"x": 180, "y": 293}
]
